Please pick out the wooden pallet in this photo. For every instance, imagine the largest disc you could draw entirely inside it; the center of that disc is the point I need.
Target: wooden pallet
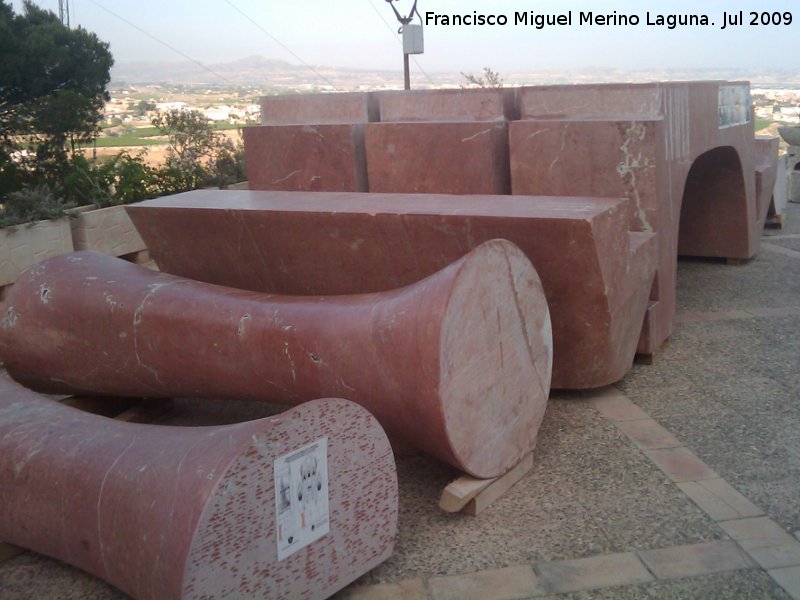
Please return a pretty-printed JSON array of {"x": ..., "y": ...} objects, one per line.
[{"x": 472, "y": 496}]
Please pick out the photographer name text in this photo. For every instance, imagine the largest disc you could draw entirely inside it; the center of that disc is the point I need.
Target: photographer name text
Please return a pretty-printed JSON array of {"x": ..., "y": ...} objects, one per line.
[{"x": 727, "y": 20}]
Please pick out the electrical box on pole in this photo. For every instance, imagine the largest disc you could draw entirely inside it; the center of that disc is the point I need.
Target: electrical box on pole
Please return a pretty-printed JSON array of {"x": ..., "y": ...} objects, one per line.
[
  {"x": 412, "y": 38},
  {"x": 413, "y": 42}
]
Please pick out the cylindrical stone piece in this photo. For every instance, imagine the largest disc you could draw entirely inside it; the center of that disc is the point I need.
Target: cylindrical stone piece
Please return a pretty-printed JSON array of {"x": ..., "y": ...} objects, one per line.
[
  {"x": 200, "y": 512},
  {"x": 458, "y": 364}
]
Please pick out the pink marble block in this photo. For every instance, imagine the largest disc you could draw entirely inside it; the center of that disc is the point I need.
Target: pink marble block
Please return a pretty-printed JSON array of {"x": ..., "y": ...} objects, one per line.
[
  {"x": 458, "y": 364},
  {"x": 485, "y": 104},
  {"x": 192, "y": 512},
  {"x": 438, "y": 158},
  {"x": 766, "y": 158},
  {"x": 595, "y": 272},
  {"x": 319, "y": 109},
  {"x": 306, "y": 158},
  {"x": 683, "y": 153}
]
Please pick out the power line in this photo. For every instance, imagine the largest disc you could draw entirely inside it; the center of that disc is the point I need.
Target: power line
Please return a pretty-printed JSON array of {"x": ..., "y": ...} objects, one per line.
[
  {"x": 63, "y": 12},
  {"x": 162, "y": 42},
  {"x": 399, "y": 41},
  {"x": 281, "y": 44}
]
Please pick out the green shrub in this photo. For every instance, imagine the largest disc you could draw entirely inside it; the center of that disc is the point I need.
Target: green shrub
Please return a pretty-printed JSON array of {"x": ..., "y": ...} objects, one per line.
[{"x": 27, "y": 206}]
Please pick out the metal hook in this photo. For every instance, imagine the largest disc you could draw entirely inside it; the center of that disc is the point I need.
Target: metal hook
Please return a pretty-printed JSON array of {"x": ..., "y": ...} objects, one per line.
[{"x": 405, "y": 20}]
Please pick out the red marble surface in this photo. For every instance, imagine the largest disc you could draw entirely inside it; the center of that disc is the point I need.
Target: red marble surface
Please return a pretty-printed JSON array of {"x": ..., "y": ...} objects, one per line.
[
  {"x": 319, "y": 109},
  {"x": 487, "y": 104},
  {"x": 419, "y": 158},
  {"x": 596, "y": 274},
  {"x": 662, "y": 145},
  {"x": 766, "y": 151},
  {"x": 189, "y": 512},
  {"x": 458, "y": 364},
  {"x": 306, "y": 157}
]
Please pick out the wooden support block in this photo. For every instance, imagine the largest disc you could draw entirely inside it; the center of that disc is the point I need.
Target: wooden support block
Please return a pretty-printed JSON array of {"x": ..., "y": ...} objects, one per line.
[
  {"x": 8, "y": 551},
  {"x": 472, "y": 496},
  {"x": 499, "y": 487},
  {"x": 458, "y": 493},
  {"x": 146, "y": 411}
]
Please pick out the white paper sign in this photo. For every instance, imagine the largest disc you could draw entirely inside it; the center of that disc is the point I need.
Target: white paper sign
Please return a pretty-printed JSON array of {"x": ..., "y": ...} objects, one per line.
[{"x": 301, "y": 497}]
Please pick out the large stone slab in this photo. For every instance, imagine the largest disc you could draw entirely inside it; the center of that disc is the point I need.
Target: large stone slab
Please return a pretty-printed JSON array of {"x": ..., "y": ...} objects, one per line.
[
  {"x": 306, "y": 157},
  {"x": 319, "y": 109},
  {"x": 766, "y": 150},
  {"x": 438, "y": 158},
  {"x": 192, "y": 512},
  {"x": 596, "y": 274},
  {"x": 487, "y": 104},
  {"x": 457, "y": 364},
  {"x": 683, "y": 152}
]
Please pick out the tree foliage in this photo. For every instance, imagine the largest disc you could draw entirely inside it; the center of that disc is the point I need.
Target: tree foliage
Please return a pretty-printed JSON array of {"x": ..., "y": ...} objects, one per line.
[
  {"x": 489, "y": 79},
  {"x": 53, "y": 78},
  {"x": 52, "y": 91},
  {"x": 198, "y": 155},
  {"x": 32, "y": 204}
]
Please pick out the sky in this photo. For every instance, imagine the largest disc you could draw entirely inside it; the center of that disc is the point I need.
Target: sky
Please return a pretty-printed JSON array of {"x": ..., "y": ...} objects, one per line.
[{"x": 351, "y": 33}]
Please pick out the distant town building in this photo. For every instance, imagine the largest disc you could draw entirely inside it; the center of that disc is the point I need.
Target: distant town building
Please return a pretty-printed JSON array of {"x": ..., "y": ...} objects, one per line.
[{"x": 167, "y": 106}]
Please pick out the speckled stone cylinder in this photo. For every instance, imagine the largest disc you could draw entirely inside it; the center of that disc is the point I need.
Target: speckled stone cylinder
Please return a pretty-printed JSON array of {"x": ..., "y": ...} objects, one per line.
[
  {"x": 190, "y": 512},
  {"x": 458, "y": 364}
]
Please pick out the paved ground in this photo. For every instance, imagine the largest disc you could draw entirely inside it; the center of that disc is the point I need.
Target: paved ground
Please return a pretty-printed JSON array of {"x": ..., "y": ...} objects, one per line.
[{"x": 683, "y": 481}]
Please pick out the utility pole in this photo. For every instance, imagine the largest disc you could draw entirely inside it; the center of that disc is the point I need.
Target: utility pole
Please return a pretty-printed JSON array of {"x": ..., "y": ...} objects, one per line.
[
  {"x": 413, "y": 42},
  {"x": 63, "y": 12}
]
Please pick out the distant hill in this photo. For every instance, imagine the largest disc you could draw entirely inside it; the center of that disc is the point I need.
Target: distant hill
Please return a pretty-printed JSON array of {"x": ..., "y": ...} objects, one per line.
[
  {"x": 252, "y": 70},
  {"x": 266, "y": 72}
]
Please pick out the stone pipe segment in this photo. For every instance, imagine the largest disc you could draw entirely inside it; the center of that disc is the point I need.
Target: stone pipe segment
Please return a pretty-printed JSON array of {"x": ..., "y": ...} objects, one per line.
[
  {"x": 458, "y": 365},
  {"x": 166, "y": 512}
]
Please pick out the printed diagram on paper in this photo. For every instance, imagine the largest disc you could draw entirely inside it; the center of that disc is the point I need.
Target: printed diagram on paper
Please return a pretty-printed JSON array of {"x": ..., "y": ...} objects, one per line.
[{"x": 301, "y": 497}]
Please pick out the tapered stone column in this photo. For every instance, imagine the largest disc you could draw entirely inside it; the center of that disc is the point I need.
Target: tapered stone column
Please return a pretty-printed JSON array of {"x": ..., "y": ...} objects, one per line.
[
  {"x": 458, "y": 364},
  {"x": 193, "y": 512}
]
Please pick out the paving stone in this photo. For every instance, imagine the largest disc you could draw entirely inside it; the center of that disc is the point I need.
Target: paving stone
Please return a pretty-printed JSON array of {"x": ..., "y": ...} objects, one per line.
[
  {"x": 751, "y": 584},
  {"x": 724, "y": 315},
  {"x": 8, "y": 551},
  {"x": 788, "y": 311},
  {"x": 764, "y": 540},
  {"x": 500, "y": 584},
  {"x": 592, "y": 573},
  {"x": 618, "y": 408},
  {"x": 680, "y": 464},
  {"x": 789, "y": 579},
  {"x": 648, "y": 434},
  {"x": 697, "y": 559},
  {"x": 780, "y": 250},
  {"x": 412, "y": 589},
  {"x": 719, "y": 499}
]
